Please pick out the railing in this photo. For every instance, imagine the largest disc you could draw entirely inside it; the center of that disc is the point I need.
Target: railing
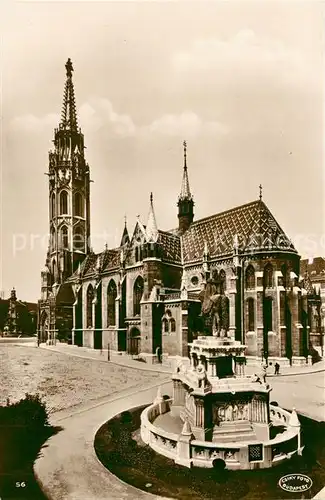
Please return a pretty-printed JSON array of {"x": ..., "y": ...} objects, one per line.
[
  {"x": 171, "y": 296},
  {"x": 160, "y": 440},
  {"x": 277, "y": 415},
  {"x": 205, "y": 450}
]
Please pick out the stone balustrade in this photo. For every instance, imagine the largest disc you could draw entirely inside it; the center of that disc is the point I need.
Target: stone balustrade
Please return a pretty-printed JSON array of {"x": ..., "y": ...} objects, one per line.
[
  {"x": 185, "y": 450},
  {"x": 279, "y": 415}
]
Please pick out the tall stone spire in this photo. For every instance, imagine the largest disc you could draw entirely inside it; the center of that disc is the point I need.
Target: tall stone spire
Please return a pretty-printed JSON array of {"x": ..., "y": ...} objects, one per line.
[
  {"x": 151, "y": 228},
  {"x": 185, "y": 200},
  {"x": 69, "y": 191},
  {"x": 69, "y": 114}
]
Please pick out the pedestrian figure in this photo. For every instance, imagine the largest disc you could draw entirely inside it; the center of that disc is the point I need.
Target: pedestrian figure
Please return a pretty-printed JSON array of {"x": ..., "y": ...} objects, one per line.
[
  {"x": 108, "y": 353},
  {"x": 276, "y": 369}
]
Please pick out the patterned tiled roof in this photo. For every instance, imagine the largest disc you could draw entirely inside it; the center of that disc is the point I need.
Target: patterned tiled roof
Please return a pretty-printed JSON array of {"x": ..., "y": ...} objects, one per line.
[
  {"x": 105, "y": 261},
  {"x": 171, "y": 246},
  {"x": 253, "y": 223},
  {"x": 307, "y": 284}
]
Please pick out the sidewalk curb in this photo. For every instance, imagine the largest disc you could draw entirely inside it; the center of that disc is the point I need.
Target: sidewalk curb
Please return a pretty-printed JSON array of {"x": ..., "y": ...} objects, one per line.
[
  {"x": 49, "y": 490},
  {"x": 110, "y": 399},
  {"x": 162, "y": 369},
  {"x": 166, "y": 370}
]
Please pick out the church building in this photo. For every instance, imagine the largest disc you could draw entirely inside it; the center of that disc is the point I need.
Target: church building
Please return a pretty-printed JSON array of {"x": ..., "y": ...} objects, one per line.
[{"x": 145, "y": 296}]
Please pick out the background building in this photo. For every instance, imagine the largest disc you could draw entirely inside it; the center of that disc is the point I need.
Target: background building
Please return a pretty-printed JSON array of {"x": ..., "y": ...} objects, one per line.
[
  {"x": 17, "y": 317},
  {"x": 313, "y": 273},
  {"x": 145, "y": 296}
]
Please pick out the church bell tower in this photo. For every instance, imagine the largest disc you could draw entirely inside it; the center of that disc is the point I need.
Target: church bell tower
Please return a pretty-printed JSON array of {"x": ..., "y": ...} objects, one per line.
[{"x": 69, "y": 186}]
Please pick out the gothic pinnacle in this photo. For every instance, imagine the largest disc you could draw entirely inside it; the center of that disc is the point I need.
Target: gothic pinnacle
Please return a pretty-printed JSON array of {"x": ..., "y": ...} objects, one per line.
[
  {"x": 69, "y": 114},
  {"x": 185, "y": 188},
  {"x": 69, "y": 68}
]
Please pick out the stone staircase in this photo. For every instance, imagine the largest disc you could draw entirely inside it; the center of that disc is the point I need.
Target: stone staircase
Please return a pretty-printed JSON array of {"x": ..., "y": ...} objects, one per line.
[{"x": 235, "y": 431}]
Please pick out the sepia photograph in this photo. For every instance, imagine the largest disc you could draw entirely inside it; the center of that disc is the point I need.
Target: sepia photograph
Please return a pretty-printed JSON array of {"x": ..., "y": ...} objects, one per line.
[{"x": 162, "y": 258}]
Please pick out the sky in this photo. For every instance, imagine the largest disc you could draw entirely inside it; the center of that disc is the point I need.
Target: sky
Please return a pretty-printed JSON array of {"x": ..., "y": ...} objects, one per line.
[{"x": 242, "y": 82}]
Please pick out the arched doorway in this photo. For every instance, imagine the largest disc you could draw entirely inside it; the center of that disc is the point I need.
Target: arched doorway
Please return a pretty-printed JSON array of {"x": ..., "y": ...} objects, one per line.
[
  {"x": 44, "y": 327},
  {"x": 135, "y": 338},
  {"x": 78, "y": 319}
]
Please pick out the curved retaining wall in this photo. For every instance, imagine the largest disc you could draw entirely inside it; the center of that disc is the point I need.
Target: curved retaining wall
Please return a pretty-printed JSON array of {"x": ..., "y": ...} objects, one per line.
[{"x": 187, "y": 451}]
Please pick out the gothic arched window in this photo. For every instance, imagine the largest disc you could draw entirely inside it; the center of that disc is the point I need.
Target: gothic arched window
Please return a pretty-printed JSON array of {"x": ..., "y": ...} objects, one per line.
[
  {"x": 54, "y": 269},
  {"x": 222, "y": 279},
  {"x": 78, "y": 205},
  {"x": 79, "y": 238},
  {"x": 251, "y": 315},
  {"x": 64, "y": 237},
  {"x": 111, "y": 296},
  {"x": 285, "y": 269},
  {"x": 268, "y": 276},
  {"x": 268, "y": 314},
  {"x": 299, "y": 307},
  {"x": 165, "y": 325},
  {"x": 172, "y": 325},
  {"x": 53, "y": 205},
  {"x": 90, "y": 298},
  {"x": 137, "y": 295},
  {"x": 52, "y": 238},
  {"x": 63, "y": 202},
  {"x": 250, "y": 277}
]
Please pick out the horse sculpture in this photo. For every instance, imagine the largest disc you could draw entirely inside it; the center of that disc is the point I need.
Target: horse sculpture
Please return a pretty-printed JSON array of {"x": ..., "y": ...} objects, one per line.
[{"x": 215, "y": 310}]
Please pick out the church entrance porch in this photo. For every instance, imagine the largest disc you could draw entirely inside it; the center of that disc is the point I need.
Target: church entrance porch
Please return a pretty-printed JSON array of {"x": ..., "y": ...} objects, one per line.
[{"x": 134, "y": 341}]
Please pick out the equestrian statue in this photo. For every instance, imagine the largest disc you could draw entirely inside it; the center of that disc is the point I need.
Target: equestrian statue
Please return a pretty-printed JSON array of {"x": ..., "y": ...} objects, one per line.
[{"x": 215, "y": 308}]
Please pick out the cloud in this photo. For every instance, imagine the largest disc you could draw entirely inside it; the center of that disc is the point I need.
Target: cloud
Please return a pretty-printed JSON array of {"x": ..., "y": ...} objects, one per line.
[
  {"x": 98, "y": 114},
  {"x": 243, "y": 55},
  {"x": 33, "y": 124},
  {"x": 186, "y": 124}
]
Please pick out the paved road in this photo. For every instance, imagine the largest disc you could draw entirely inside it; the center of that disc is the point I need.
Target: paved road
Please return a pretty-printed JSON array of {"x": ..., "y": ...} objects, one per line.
[
  {"x": 68, "y": 467},
  {"x": 305, "y": 392}
]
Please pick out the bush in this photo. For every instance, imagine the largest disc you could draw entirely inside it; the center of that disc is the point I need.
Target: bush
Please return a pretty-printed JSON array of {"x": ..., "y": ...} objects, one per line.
[
  {"x": 24, "y": 429},
  {"x": 29, "y": 412}
]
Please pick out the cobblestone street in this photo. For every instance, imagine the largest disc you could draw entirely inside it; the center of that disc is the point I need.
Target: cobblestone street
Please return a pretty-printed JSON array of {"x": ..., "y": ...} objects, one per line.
[{"x": 63, "y": 381}]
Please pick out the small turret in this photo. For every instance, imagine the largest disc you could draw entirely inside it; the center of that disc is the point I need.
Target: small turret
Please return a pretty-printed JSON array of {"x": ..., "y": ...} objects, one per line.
[
  {"x": 151, "y": 228},
  {"x": 185, "y": 200},
  {"x": 125, "y": 236}
]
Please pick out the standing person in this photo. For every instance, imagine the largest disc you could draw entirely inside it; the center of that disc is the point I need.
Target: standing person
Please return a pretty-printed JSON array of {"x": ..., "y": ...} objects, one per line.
[
  {"x": 108, "y": 353},
  {"x": 276, "y": 368}
]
